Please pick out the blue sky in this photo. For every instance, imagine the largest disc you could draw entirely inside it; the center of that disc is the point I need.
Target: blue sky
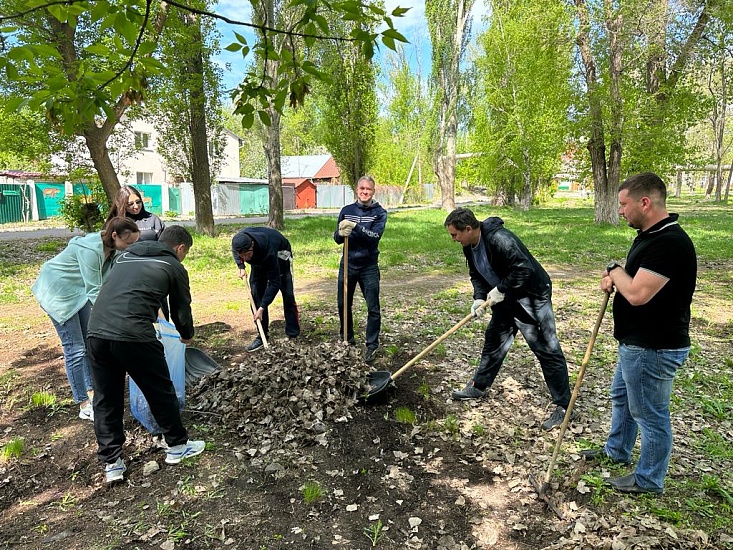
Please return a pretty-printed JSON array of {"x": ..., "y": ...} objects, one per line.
[{"x": 413, "y": 26}]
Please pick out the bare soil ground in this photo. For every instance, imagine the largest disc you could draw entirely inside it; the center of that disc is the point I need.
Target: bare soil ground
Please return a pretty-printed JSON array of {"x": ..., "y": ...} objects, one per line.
[{"x": 455, "y": 478}]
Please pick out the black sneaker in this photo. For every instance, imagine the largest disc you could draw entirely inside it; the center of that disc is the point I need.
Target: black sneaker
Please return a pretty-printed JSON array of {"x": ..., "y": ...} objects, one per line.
[
  {"x": 255, "y": 345},
  {"x": 556, "y": 418},
  {"x": 371, "y": 355},
  {"x": 469, "y": 392}
]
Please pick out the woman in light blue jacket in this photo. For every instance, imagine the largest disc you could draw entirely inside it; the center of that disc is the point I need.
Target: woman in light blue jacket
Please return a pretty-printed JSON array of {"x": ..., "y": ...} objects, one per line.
[{"x": 67, "y": 287}]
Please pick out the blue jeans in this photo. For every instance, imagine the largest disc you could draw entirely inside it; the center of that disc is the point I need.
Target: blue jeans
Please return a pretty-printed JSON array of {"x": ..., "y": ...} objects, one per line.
[
  {"x": 368, "y": 280},
  {"x": 640, "y": 394},
  {"x": 73, "y": 334},
  {"x": 533, "y": 317}
]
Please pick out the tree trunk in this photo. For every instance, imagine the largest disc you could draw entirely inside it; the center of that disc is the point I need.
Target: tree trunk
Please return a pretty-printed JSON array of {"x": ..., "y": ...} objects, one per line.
[
  {"x": 605, "y": 196},
  {"x": 447, "y": 53},
  {"x": 525, "y": 196},
  {"x": 96, "y": 141},
  {"x": 614, "y": 22},
  {"x": 678, "y": 186},
  {"x": 200, "y": 169},
  {"x": 727, "y": 185},
  {"x": 275, "y": 218},
  {"x": 448, "y": 165},
  {"x": 710, "y": 185}
]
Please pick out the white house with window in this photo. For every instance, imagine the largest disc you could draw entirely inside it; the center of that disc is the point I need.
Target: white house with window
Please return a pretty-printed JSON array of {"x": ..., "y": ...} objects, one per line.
[
  {"x": 133, "y": 152},
  {"x": 145, "y": 166}
]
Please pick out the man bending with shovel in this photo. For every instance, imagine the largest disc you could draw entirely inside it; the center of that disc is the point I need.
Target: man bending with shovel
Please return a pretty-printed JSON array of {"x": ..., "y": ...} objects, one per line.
[
  {"x": 271, "y": 258},
  {"x": 518, "y": 290}
]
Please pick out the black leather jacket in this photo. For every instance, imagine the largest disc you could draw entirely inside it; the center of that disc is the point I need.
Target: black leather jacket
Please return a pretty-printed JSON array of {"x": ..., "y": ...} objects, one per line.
[{"x": 520, "y": 274}]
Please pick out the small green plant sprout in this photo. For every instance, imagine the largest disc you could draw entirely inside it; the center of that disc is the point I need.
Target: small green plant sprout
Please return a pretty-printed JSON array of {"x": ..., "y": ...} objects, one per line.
[
  {"x": 311, "y": 491},
  {"x": 598, "y": 485},
  {"x": 43, "y": 399},
  {"x": 404, "y": 415},
  {"x": 374, "y": 532},
  {"x": 424, "y": 389},
  {"x": 392, "y": 349},
  {"x": 13, "y": 449},
  {"x": 163, "y": 508},
  {"x": 67, "y": 502},
  {"x": 478, "y": 429},
  {"x": 451, "y": 425},
  {"x": 441, "y": 351},
  {"x": 712, "y": 484}
]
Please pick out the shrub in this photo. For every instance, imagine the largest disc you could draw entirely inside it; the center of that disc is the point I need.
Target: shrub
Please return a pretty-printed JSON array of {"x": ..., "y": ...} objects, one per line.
[{"x": 86, "y": 211}]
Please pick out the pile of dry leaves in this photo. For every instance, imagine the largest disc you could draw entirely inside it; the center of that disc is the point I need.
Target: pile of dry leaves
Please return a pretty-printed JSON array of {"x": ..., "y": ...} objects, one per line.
[{"x": 283, "y": 398}]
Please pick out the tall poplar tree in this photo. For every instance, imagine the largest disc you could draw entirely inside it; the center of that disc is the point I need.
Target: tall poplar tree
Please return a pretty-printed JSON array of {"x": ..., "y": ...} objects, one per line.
[
  {"x": 187, "y": 107},
  {"x": 449, "y": 25},
  {"x": 633, "y": 39},
  {"x": 523, "y": 98},
  {"x": 349, "y": 107}
]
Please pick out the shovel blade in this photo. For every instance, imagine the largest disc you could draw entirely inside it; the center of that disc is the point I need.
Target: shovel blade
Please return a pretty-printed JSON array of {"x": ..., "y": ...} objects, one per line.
[
  {"x": 198, "y": 364},
  {"x": 378, "y": 382}
]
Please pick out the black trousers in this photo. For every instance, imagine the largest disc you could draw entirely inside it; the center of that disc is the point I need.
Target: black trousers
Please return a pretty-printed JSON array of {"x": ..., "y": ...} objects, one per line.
[
  {"x": 258, "y": 284},
  {"x": 535, "y": 319},
  {"x": 109, "y": 361},
  {"x": 368, "y": 280}
]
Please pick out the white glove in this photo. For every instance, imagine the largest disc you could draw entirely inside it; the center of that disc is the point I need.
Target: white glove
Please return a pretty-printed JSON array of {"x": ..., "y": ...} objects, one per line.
[
  {"x": 495, "y": 297},
  {"x": 345, "y": 227},
  {"x": 477, "y": 309}
]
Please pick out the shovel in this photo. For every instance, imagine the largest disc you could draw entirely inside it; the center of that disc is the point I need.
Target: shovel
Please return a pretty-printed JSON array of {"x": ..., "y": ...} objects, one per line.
[
  {"x": 253, "y": 307},
  {"x": 198, "y": 364},
  {"x": 381, "y": 380},
  {"x": 542, "y": 488}
]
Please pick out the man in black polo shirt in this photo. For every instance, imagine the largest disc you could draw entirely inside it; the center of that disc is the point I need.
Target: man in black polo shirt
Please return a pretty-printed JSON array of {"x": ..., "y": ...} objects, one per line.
[{"x": 651, "y": 313}]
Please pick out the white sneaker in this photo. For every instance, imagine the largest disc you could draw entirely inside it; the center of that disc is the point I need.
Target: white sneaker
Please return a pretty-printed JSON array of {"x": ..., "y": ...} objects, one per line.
[
  {"x": 115, "y": 471},
  {"x": 87, "y": 412},
  {"x": 186, "y": 450}
]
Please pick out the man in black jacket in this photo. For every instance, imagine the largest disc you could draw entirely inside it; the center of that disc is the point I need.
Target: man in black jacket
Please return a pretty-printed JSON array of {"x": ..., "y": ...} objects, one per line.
[
  {"x": 122, "y": 340},
  {"x": 518, "y": 290},
  {"x": 271, "y": 258}
]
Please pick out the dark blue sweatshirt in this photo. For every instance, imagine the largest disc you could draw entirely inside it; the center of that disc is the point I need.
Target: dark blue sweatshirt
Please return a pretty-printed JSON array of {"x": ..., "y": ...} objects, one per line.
[{"x": 364, "y": 239}]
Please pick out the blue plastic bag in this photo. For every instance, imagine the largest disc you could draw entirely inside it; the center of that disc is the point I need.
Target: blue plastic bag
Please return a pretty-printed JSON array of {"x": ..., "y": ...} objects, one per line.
[{"x": 175, "y": 357}]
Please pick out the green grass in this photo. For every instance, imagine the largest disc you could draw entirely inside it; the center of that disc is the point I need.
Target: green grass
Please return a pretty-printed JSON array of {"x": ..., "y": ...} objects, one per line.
[
  {"x": 53, "y": 246},
  {"x": 311, "y": 491},
  {"x": 416, "y": 239},
  {"x": 43, "y": 399},
  {"x": 13, "y": 449},
  {"x": 405, "y": 415}
]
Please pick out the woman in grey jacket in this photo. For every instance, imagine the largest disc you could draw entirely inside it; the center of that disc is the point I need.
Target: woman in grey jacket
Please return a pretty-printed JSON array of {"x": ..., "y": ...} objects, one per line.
[
  {"x": 129, "y": 203},
  {"x": 67, "y": 287}
]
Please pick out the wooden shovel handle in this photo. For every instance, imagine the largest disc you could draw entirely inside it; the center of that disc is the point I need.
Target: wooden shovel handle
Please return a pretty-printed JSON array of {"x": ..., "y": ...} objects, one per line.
[
  {"x": 346, "y": 285},
  {"x": 253, "y": 308},
  {"x": 437, "y": 341},
  {"x": 576, "y": 389}
]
